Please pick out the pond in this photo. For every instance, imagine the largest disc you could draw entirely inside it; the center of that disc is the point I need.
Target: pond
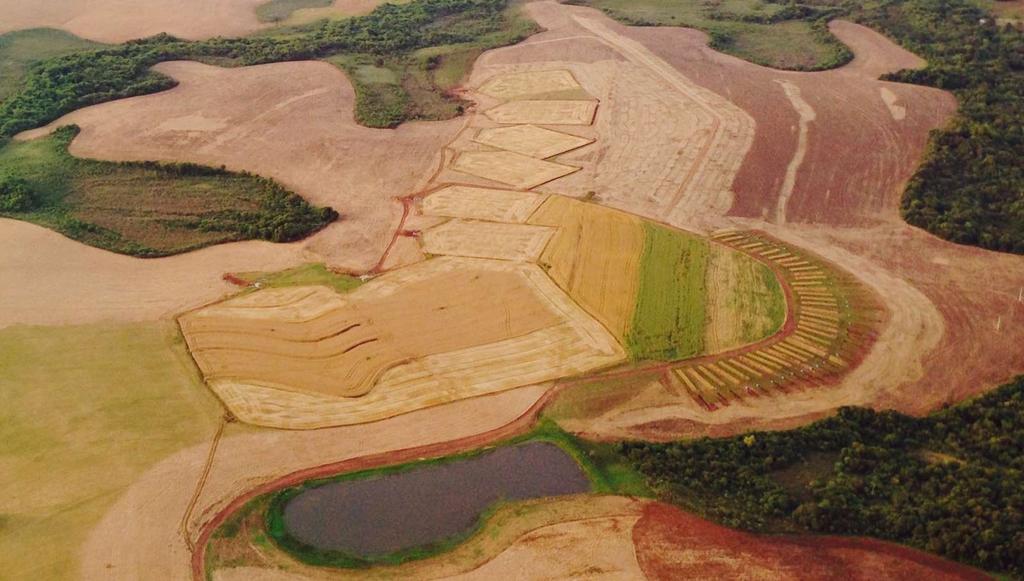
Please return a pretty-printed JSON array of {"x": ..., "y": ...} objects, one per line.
[{"x": 385, "y": 514}]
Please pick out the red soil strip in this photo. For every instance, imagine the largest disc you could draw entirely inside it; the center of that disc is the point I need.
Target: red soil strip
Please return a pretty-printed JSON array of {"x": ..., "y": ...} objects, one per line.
[
  {"x": 230, "y": 278},
  {"x": 671, "y": 544},
  {"x": 399, "y": 232},
  {"x": 520, "y": 425}
]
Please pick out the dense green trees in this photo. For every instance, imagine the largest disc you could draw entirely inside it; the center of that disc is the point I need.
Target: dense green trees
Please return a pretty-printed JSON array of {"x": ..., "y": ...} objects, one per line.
[
  {"x": 15, "y": 195},
  {"x": 951, "y": 483},
  {"x": 60, "y": 85},
  {"x": 970, "y": 188}
]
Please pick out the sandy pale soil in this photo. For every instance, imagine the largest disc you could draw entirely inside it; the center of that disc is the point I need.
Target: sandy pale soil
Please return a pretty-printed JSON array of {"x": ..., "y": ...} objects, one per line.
[
  {"x": 289, "y": 121},
  {"x": 140, "y": 537},
  {"x": 48, "y": 279},
  {"x": 121, "y": 20}
]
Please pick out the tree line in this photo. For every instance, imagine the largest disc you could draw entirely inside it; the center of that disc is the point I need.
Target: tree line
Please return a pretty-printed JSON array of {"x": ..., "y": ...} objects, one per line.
[
  {"x": 60, "y": 85},
  {"x": 951, "y": 483}
]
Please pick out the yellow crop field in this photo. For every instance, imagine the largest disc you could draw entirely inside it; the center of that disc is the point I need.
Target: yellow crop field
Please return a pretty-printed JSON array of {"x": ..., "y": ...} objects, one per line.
[
  {"x": 595, "y": 256},
  {"x": 382, "y": 351}
]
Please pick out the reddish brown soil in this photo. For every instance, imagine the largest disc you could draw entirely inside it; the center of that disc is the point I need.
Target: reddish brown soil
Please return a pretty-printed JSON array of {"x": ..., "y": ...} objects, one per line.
[
  {"x": 671, "y": 544},
  {"x": 858, "y": 156}
]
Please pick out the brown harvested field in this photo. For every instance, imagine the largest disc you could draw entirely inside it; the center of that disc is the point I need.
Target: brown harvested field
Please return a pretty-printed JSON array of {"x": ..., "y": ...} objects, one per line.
[
  {"x": 556, "y": 538},
  {"x": 487, "y": 240},
  {"x": 140, "y": 538},
  {"x": 48, "y": 279},
  {"x": 289, "y": 121},
  {"x": 595, "y": 256},
  {"x": 118, "y": 20},
  {"x": 512, "y": 169},
  {"x": 481, "y": 204},
  {"x": 551, "y": 112},
  {"x": 530, "y": 140},
  {"x": 672, "y": 544},
  {"x": 306, "y": 357}
]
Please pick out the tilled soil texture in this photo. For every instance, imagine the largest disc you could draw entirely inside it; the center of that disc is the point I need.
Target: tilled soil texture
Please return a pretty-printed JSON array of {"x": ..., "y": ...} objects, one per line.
[{"x": 672, "y": 544}]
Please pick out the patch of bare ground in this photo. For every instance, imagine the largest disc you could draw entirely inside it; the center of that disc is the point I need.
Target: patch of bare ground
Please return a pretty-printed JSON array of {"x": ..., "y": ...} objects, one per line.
[
  {"x": 289, "y": 121},
  {"x": 141, "y": 538},
  {"x": 672, "y": 544},
  {"x": 121, "y": 20}
]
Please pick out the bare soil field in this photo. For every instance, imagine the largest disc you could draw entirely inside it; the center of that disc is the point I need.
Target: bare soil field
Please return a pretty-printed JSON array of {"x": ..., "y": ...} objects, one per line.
[
  {"x": 121, "y": 20},
  {"x": 289, "y": 121},
  {"x": 48, "y": 279},
  {"x": 672, "y": 544}
]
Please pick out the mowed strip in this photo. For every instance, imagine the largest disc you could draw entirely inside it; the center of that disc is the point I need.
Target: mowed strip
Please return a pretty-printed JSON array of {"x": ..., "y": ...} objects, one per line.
[
  {"x": 559, "y": 342},
  {"x": 745, "y": 302},
  {"x": 487, "y": 240},
  {"x": 553, "y": 112},
  {"x": 481, "y": 204},
  {"x": 530, "y": 140},
  {"x": 443, "y": 305},
  {"x": 595, "y": 257},
  {"x": 513, "y": 169}
]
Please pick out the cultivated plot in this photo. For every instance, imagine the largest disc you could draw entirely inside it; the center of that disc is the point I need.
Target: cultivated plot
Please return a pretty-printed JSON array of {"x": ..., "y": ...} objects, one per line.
[
  {"x": 537, "y": 85},
  {"x": 481, "y": 204},
  {"x": 509, "y": 168},
  {"x": 431, "y": 333},
  {"x": 530, "y": 140},
  {"x": 554, "y": 112},
  {"x": 487, "y": 240}
]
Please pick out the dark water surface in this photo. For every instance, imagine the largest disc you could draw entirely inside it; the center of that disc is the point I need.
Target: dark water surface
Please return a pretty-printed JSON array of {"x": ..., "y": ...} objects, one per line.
[{"x": 385, "y": 514}]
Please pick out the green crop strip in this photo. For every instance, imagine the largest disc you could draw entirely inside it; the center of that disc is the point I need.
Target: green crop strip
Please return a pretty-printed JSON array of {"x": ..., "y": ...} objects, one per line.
[{"x": 668, "y": 323}]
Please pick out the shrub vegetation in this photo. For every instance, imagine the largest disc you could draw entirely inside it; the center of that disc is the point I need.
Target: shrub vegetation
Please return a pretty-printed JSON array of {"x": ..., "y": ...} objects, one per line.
[{"x": 146, "y": 208}]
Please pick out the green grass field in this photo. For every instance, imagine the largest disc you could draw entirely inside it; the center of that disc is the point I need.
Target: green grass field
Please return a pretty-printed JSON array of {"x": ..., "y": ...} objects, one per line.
[
  {"x": 87, "y": 409},
  {"x": 149, "y": 209},
  {"x": 670, "y": 313},
  {"x": 21, "y": 49},
  {"x": 315, "y": 273},
  {"x": 280, "y": 10},
  {"x": 796, "y": 44}
]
